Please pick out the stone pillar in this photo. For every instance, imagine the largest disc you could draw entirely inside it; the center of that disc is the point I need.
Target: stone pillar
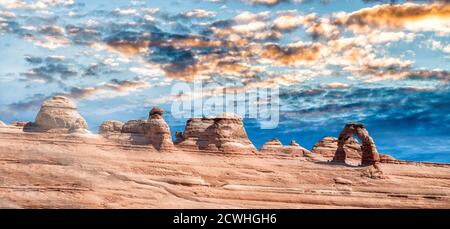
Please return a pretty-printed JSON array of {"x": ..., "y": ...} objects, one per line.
[{"x": 157, "y": 130}]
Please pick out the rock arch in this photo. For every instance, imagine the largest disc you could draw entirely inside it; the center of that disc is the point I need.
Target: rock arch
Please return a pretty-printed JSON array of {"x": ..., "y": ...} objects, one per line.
[{"x": 369, "y": 151}]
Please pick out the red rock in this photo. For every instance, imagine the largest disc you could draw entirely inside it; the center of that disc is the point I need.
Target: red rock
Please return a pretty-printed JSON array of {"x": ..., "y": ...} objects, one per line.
[
  {"x": 328, "y": 145},
  {"x": 369, "y": 153},
  {"x": 225, "y": 133},
  {"x": 275, "y": 147},
  {"x": 111, "y": 126},
  {"x": 157, "y": 130}
]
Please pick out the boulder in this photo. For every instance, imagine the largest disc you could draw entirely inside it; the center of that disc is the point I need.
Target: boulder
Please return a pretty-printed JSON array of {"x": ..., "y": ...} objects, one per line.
[
  {"x": 157, "y": 131},
  {"x": 59, "y": 112},
  {"x": 225, "y": 133},
  {"x": 111, "y": 126}
]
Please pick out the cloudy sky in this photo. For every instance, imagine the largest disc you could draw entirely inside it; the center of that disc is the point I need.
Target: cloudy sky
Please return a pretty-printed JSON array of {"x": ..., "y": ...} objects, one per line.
[{"x": 384, "y": 63}]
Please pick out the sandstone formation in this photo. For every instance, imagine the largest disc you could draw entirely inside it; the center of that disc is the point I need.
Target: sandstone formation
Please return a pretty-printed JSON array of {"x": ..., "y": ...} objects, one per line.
[
  {"x": 327, "y": 146},
  {"x": 46, "y": 170},
  {"x": 59, "y": 112},
  {"x": 153, "y": 131},
  {"x": 369, "y": 153},
  {"x": 224, "y": 133},
  {"x": 134, "y": 127},
  {"x": 275, "y": 147},
  {"x": 111, "y": 126},
  {"x": 157, "y": 130}
]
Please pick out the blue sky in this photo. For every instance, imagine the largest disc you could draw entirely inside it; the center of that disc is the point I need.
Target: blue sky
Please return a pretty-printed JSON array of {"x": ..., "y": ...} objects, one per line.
[{"x": 386, "y": 65}]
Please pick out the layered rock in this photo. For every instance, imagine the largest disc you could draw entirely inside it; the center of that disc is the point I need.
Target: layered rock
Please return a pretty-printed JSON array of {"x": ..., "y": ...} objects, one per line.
[
  {"x": 369, "y": 153},
  {"x": 59, "y": 112},
  {"x": 347, "y": 147},
  {"x": 224, "y": 133},
  {"x": 134, "y": 127},
  {"x": 275, "y": 147},
  {"x": 328, "y": 146},
  {"x": 153, "y": 131},
  {"x": 157, "y": 130},
  {"x": 111, "y": 126}
]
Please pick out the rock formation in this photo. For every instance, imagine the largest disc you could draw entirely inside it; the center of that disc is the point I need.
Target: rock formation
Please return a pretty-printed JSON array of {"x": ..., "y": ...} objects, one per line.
[
  {"x": 111, "y": 126},
  {"x": 59, "y": 112},
  {"x": 369, "y": 153},
  {"x": 275, "y": 147},
  {"x": 224, "y": 133},
  {"x": 157, "y": 130},
  {"x": 153, "y": 131},
  {"x": 134, "y": 127},
  {"x": 2, "y": 123},
  {"x": 328, "y": 146}
]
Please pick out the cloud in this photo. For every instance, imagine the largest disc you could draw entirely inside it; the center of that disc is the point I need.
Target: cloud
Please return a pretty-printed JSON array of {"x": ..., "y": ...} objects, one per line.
[
  {"x": 336, "y": 85},
  {"x": 292, "y": 54},
  {"x": 48, "y": 70},
  {"x": 289, "y": 21},
  {"x": 35, "y": 5},
  {"x": 410, "y": 16},
  {"x": 199, "y": 13},
  {"x": 265, "y": 2},
  {"x": 111, "y": 89},
  {"x": 437, "y": 45}
]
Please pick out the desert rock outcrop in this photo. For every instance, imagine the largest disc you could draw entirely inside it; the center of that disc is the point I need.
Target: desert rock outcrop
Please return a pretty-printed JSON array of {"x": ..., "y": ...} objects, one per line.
[
  {"x": 157, "y": 130},
  {"x": 134, "y": 127},
  {"x": 369, "y": 153},
  {"x": 328, "y": 146},
  {"x": 153, "y": 131},
  {"x": 274, "y": 146},
  {"x": 111, "y": 126},
  {"x": 59, "y": 112},
  {"x": 224, "y": 133}
]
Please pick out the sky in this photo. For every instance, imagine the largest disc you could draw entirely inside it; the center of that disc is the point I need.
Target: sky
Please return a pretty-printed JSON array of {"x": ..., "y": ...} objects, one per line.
[{"x": 382, "y": 63}]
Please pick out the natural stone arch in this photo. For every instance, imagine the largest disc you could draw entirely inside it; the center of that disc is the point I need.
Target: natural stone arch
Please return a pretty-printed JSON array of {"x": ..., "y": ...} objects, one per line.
[{"x": 369, "y": 151}]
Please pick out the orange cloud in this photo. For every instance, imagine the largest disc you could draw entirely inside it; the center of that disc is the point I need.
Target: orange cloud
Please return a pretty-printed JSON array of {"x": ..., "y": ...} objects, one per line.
[
  {"x": 415, "y": 17},
  {"x": 292, "y": 54}
]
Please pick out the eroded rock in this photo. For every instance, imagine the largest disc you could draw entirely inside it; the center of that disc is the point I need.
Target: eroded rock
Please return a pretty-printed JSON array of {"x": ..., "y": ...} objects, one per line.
[
  {"x": 111, "y": 126},
  {"x": 157, "y": 130},
  {"x": 153, "y": 131},
  {"x": 134, "y": 127},
  {"x": 224, "y": 133},
  {"x": 274, "y": 146},
  {"x": 328, "y": 146},
  {"x": 340, "y": 180},
  {"x": 369, "y": 153},
  {"x": 59, "y": 112}
]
